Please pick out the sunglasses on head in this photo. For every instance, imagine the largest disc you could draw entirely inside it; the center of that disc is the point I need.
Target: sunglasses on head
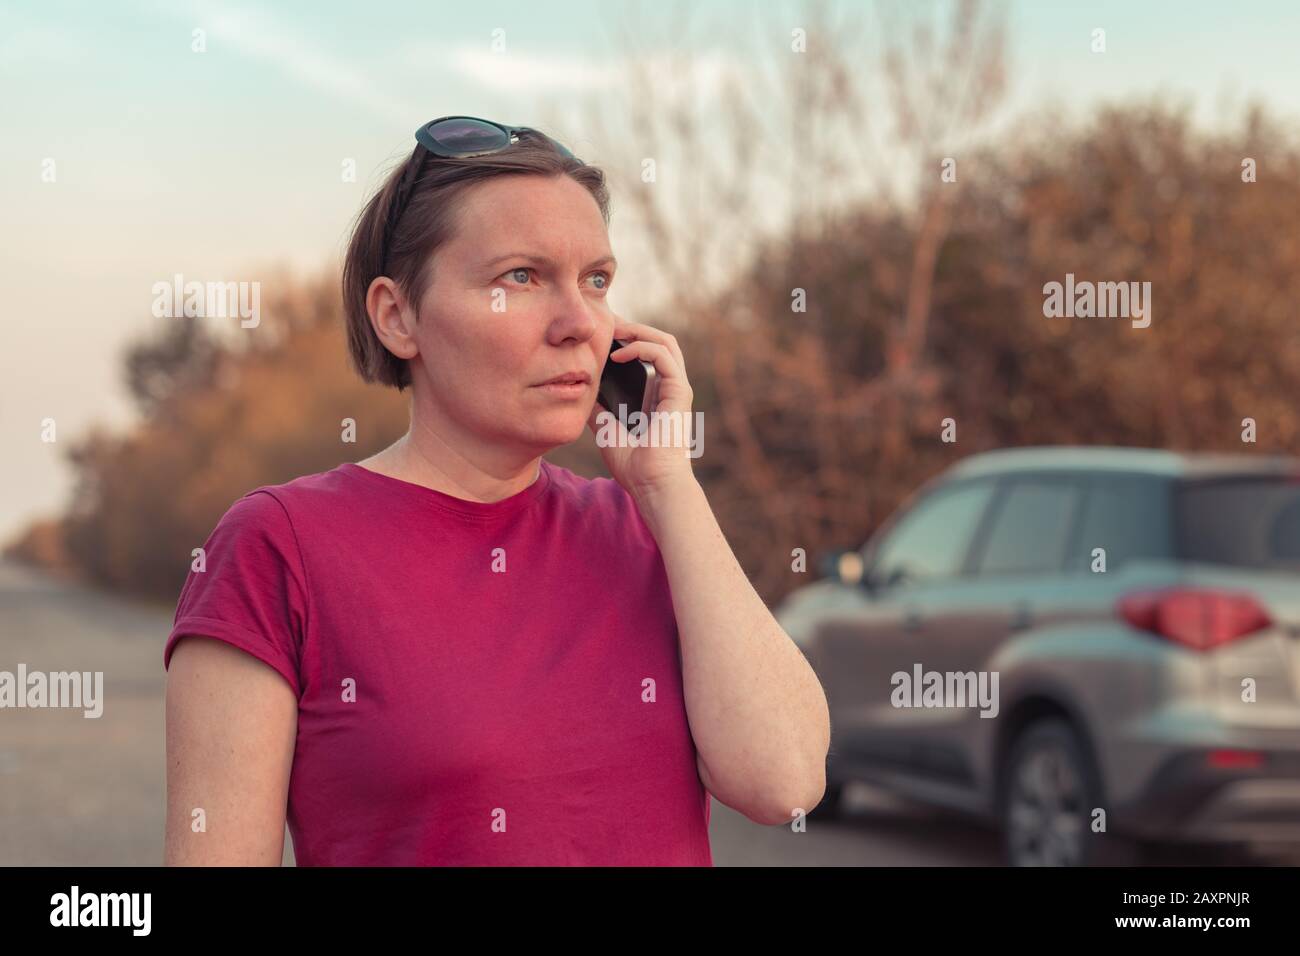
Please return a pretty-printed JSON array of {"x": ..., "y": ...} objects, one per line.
[{"x": 453, "y": 137}]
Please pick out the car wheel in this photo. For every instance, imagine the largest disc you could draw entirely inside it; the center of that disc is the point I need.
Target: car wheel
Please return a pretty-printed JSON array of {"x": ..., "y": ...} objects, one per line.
[{"x": 1049, "y": 791}]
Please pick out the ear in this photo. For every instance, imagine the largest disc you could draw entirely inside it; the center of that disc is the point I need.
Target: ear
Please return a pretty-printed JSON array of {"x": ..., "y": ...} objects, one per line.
[{"x": 391, "y": 317}]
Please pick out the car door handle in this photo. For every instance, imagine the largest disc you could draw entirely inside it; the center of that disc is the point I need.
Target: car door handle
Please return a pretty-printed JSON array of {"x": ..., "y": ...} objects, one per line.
[
  {"x": 911, "y": 619},
  {"x": 1021, "y": 616}
]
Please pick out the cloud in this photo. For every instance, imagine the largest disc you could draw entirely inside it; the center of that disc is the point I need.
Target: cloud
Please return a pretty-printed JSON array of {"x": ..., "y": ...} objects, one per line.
[
  {"x": 255, "y": 35},
  {"x": 515, "y": 72}
]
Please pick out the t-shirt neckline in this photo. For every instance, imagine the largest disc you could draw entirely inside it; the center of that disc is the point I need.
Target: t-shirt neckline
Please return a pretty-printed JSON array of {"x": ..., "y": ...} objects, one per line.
[{"x": 461, "y": 506}]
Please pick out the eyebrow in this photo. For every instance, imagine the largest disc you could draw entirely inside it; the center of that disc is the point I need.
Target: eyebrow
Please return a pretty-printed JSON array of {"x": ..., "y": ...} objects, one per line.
[{"x": 543, "y": 260}]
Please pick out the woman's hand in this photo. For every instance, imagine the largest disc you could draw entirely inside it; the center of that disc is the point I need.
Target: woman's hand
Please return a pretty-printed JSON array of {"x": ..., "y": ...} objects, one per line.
[{"x": 646, "y": 470}]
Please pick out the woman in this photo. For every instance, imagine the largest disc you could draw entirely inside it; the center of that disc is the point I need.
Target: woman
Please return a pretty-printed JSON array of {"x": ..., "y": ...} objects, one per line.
[{"x": 454, "y": 652}]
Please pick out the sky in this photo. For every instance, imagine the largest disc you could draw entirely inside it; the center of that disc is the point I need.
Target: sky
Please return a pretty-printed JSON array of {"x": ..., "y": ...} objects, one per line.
[{"x": 226, "y": 163}]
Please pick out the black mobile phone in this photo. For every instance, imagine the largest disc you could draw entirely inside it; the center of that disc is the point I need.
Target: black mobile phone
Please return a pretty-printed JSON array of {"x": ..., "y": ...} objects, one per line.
[{"x": 630, "y": 384}]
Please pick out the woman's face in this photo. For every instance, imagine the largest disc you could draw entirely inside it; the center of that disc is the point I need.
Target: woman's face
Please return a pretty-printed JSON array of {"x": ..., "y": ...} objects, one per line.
[{"x": 537, "y": 249}]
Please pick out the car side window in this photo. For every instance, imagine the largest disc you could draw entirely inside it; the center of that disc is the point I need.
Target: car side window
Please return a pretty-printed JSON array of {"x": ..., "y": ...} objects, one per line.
[
  {"x": 1127, "y": 517},
  {"x": 1030, "y": 532},
  {"x": 932, "y": 539}
]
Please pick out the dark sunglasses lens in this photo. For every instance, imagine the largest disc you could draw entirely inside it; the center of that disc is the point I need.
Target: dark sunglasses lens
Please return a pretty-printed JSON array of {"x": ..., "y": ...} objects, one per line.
[{"x": 467, "y": 135}]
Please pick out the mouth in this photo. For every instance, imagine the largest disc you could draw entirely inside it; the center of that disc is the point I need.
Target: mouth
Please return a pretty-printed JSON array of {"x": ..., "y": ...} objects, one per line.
[{"x": 569, "y": 379}]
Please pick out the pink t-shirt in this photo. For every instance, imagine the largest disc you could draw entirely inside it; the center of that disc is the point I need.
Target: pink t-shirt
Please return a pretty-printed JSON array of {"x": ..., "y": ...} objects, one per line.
[{"x": 478, "y": 683}]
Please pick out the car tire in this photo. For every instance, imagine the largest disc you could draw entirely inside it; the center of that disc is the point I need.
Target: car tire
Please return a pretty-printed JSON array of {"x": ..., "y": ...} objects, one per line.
[{"x": 1049, "y": 789}]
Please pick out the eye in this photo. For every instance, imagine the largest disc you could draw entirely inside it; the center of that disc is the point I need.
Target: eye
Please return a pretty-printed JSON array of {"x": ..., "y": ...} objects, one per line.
[
  {"x": 516, "y": 271},
  {"x": 605, "y": 278}
]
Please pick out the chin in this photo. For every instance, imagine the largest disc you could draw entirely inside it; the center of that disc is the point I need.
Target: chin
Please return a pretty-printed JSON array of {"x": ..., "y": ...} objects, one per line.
[{"x": 554, "y": 430}]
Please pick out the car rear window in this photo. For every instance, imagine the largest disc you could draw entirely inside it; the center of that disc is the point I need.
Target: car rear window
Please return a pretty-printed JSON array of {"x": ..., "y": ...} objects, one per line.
[{"x": 1250, "y": 522}]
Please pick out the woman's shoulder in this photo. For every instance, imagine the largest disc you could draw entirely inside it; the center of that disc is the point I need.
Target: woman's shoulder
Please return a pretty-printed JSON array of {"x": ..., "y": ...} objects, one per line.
[{"x": 275, "y": 503}]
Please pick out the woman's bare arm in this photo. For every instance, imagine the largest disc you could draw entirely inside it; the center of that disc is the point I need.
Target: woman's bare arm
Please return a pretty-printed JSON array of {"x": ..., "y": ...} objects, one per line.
[
  {"x": 757, "y": 711},
  {"x": 232, "y": 723}
]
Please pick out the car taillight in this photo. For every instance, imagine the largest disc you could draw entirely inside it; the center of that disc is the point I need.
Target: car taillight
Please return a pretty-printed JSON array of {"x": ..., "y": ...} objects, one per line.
[
  {"x": 1234, "y": 759},
  {"x": 1199, "y": 618}
]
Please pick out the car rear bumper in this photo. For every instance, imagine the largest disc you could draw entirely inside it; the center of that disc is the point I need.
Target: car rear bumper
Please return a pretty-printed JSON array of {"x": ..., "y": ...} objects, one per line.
[
  {"x": 1187, "y": 799},
  {"x": 1250, "y": 811}
]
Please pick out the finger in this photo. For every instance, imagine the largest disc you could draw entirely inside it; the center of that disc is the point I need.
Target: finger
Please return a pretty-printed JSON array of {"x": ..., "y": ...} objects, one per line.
[
  {"x": 648, "y": 333},
  {"x": 659, "y": 356}
]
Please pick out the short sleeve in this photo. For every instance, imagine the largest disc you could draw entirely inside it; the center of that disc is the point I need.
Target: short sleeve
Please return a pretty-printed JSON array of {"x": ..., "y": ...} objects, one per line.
[{"x": 251, "y": 592}]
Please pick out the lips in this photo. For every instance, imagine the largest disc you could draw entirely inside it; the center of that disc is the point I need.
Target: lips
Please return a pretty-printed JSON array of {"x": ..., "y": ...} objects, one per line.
[{"x": 568, "y": 378}]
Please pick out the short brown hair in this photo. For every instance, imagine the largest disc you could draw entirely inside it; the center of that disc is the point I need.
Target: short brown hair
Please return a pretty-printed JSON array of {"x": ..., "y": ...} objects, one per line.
[{"x": 427, "y": 222}]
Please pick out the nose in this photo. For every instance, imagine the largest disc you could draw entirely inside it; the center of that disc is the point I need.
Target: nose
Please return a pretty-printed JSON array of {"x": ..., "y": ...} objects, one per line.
[{"x": 574, "y": 318}]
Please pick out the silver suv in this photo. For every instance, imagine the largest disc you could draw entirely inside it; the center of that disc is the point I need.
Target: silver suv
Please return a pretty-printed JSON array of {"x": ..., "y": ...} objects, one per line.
[{"x": 1097, "y": 648}]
